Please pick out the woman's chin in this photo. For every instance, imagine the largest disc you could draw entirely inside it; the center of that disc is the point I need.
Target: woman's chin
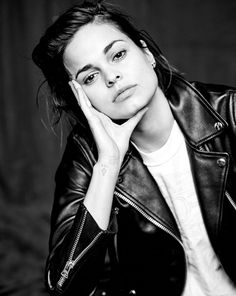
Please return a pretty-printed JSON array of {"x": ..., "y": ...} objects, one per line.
[{"x": 128, "y": 113}]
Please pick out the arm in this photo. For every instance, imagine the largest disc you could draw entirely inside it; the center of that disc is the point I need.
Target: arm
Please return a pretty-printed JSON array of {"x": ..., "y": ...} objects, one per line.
[
  {"x": 81, "y": 230},
  {"x": 77, "y": 243},
  {"x": 112, "y": 142}
]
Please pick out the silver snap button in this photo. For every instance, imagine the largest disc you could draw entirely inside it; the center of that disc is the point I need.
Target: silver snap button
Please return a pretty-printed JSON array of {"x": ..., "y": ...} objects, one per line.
[
  {"x": 132, "y": 292},
  {"x": 221, "y": 162},
  {"x": 116, "y": 210},
  {"x": 218, "y": 126}
]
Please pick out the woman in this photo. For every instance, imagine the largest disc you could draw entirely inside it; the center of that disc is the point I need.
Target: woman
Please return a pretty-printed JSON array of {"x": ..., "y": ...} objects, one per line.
[{"x": 145, "y": 194}]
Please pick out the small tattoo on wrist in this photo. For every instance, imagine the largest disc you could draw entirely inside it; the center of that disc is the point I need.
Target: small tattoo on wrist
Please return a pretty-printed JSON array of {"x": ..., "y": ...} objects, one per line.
[{"x": 104, "y": 169}]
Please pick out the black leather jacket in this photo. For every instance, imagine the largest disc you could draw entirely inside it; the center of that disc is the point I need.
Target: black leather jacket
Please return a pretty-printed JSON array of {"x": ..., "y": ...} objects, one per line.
[{"x": 142, "y": 253}]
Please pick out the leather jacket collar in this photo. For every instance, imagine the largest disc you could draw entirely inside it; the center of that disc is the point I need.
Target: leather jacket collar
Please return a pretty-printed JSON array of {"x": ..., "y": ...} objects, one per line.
[{"x": 197, "y": 119}]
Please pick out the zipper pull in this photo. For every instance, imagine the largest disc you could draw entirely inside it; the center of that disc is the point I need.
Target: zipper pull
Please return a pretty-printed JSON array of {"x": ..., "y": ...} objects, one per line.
[{"x": 65, "y": 272}]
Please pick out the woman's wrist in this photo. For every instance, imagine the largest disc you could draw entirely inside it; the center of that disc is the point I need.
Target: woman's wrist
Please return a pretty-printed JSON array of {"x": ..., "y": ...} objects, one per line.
[
  {"x": 109, "y": 163},
  {"x": 99, "y": 196}
]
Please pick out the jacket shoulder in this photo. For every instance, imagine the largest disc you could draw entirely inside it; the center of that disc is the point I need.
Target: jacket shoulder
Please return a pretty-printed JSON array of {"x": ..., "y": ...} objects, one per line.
[
  {"x": 213, "y": 91},
  {"x": 221, "y": 97}
]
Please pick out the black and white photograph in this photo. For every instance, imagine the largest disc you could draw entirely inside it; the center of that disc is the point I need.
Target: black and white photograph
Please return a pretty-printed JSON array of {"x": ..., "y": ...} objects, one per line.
[{"x": 117, "y": 148}]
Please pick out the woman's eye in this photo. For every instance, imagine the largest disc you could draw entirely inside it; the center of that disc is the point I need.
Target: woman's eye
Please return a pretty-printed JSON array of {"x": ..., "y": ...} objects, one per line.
[
  {"x": 119, "y": 55},
  {"x": 89, "y": 79}
]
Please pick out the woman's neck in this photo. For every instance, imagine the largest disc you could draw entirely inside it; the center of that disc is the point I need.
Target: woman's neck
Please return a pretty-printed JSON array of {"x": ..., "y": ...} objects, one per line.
[{"x": 154, "y": 129}]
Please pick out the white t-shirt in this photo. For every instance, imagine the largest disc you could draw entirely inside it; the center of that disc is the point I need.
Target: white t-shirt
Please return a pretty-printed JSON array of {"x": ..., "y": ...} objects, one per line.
[{"x": 170, "y": 167}]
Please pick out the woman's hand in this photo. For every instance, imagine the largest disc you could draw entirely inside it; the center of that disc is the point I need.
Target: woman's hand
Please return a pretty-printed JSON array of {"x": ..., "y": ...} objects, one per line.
[{"x": 112, "y": 140}]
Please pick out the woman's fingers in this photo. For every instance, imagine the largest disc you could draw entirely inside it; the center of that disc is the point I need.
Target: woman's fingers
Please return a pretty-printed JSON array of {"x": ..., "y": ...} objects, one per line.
[
  {"x": 107, "y": 134},
  {"x": 95, "y": 118},
  {"x": 84, "y": 103},
  {"x": 82, "y": 95},
  {"x": 74, "y": 92},
  {"x": 133, "y": 121},
  {"x": 82, "y": 99}
]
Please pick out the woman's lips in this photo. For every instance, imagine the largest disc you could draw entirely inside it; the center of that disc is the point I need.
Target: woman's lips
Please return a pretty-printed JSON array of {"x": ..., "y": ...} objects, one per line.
[{"x": 125, "y": 92}]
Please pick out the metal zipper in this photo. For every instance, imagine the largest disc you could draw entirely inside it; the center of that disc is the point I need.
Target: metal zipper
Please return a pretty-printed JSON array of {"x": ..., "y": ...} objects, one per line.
[
  {"x": 70, "y": 263},
  {"x": 58, "y": 230},
  {"x": 148, "y": 217},
  {"x": 230, "y": 199}
]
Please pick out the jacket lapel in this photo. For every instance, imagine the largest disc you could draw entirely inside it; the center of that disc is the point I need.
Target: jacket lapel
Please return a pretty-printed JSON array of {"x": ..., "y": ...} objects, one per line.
[
  {"x": 138, "y": 185},
  {"x": 193, "y": 113}
]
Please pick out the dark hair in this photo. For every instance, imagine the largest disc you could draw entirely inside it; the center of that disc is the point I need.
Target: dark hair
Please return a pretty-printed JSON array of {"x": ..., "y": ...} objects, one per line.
[{"x": 48, "y": 54}]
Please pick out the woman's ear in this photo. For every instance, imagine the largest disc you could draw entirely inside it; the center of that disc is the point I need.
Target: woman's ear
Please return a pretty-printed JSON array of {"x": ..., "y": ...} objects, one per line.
[{"x": 148, "y": 53}]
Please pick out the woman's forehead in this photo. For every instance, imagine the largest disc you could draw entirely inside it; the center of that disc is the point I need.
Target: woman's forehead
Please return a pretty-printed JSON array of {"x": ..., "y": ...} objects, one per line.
[
  {"x": 100, "y": 32},
  {"x": 91, "y": 40}
]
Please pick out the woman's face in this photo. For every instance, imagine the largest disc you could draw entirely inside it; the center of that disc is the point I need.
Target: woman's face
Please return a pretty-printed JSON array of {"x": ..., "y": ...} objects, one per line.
[{"x": 116, "y": 74}]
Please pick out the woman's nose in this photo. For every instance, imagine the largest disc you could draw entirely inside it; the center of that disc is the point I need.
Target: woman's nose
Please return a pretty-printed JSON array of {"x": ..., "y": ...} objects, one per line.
[{"x": 112, "y": 79}]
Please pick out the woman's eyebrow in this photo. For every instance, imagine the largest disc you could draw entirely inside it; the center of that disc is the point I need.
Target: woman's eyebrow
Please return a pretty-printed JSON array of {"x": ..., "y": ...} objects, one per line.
[
  {"x": 109, "y": 46},
  {"x": 106, "y": 49},
  {"x": 85, "y": 68}
]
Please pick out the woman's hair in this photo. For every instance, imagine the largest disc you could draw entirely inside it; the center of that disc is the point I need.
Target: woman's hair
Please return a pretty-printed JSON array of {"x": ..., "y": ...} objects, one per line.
[{"x": 48, "y": 54}]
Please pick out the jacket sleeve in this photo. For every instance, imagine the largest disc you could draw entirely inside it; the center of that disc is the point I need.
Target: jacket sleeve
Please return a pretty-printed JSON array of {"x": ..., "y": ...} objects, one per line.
[{"x": 77, "y": 245}]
